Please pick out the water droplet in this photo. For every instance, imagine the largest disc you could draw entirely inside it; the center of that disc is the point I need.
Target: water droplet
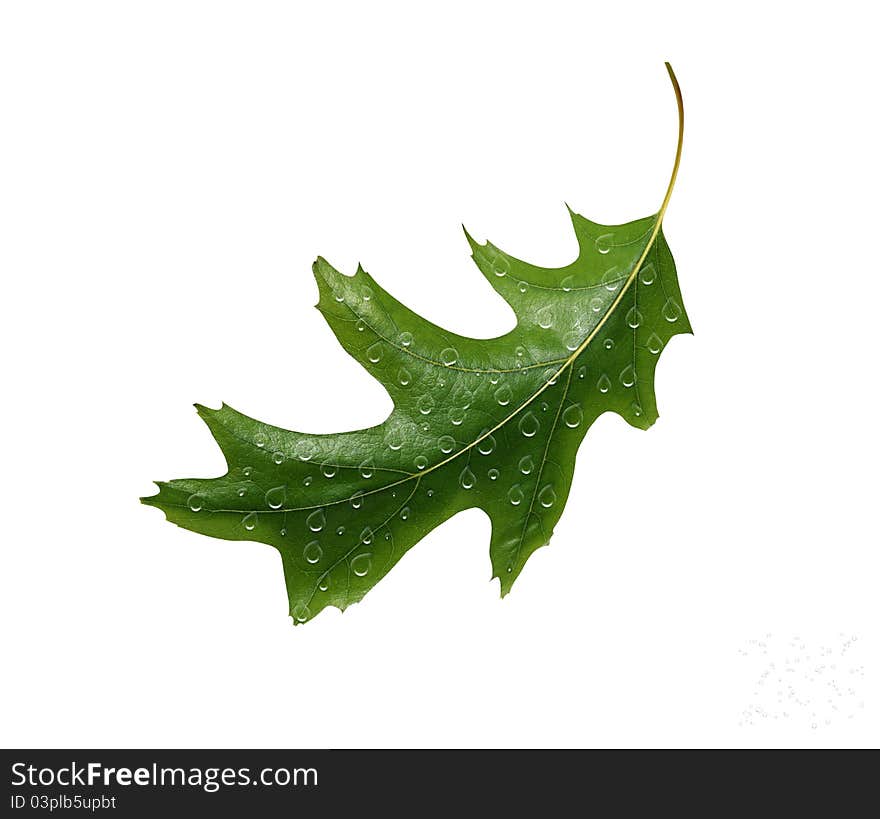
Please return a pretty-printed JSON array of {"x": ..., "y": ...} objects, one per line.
[
  {"x": 249, "y": 522},
  {"x": 259, "y": 440},
  {"x": 367, "y": 536},
  {"x": 366, "y": 469},
  {"x": 545, "y": 318},
  {"x": 278, "y": 457},
  {"x": 523, "y": 287},
  {"x": 529, "y": 425},
  {"x": 324, "y": 583},
  {"x": 604, "y": 383},
  {"x": 242, "y": 492},
  {"x": 520, "y": 351},
  {"x": 456, "y": 416},
  {"x": 425, "y": 427},
  {"x": 634, "y": 317},
  {"x": 547, "y": 497},
  {"x": 647, "y": 274},
  {"x": 609, "y": 343},
  {"x": 503, "y": 395},
  {"x": 611, "y": 279},
  {"x": 316, "y": 520},
  {"x": 394, "y": 439},
  {"x": 493, "y": 474},
  {"x": 446, "y": 444},
  {"x": 404, "y": 513},
  {"x": 449, "y": 356},
  {"x": 467, "y": 479},
  {"x": 301, "y": 613},
  {"x": 340, "y": 297},
  {"x": 568, "y": 283},
  {"x": 463, "y": 397},
  {"x": 637, "y": 409},
  {"x": 283, "y": 532},
  {"x": 655, "y": 344},
  {"x": 366, "y": 293},
  {"x": 340, "y": 531},
  {"x": 307, "y": 480},
  {"x": 360, "y": 564},
  {"x": 247, "y": 471},
  {"x": 305, "y": 450},
  {"x": 494, "y": 378},
  {"x": 515, "y": 495},
  {"x": 276, "y": 496},
  {"x": 405, "y": 339},
  {"x": 671, "y": 311},
  {"x": 596, "y": 304},
  {"x": 329, "y": 470},
  {"x": 374, "y": 352},
  {"x": 194, "y": 503},
  {"x": 361, "y": 325},
  {"x": 603, "y": 242},
  {"x": 526, "y": 464},
  {"x": 572, "y": 416},
  {"x": 313, "y": 552},
  {"x": 420, "y": 461},
  {"x": 486, "y": 446},
  {"x": 572, "y": 341},
  {"x": 357, "y": 500},
  {"x": 426, "y": 404},
  {"x": 403, "y": 377},
  {"x": 430, "y": 493},
  {"x": 582, "y": 373},
  {"x": 628, "y": 376}
]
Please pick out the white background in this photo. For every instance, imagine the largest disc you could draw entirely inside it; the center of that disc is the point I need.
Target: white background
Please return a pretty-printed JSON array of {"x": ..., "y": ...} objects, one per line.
[{"x": 170, "y": 171}]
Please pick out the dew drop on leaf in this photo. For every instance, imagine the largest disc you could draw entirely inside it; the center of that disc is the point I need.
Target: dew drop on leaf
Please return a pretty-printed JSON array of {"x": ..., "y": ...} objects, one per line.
[
  {"x": 633, "y": 317},
  {"x": 406, "y": 339},
  {"x": 515, "y": 495},
  {"x": 603, "y": 242},
  {"x": 503, "y": 395},
  {"x": 316, "y": 520},
  {"x": 404, "y": 513},
  {"x": 361, "y": 564},
  {"x": 486, "y": 445},
  {"x": 367, "y": 536},
  {"x": 420, "y": 462},
  {"x": 526, "y": 464},
  {"x": 671, "y": 311},
  {"x": 545, "y": 318},
  {"x": 493, "y": 474},
  {"x": 249, "y": 522},
  {"x": 547, "y": 496},
  {"x": 611, "y": 279},
  {"x": 604, "y": 383},
  {"x": 194, "y": 503},
  {"x": 655, "y": 344},
  {"x": 328, "y": 470},
  {"x": 313, "y": 552},
  {"x": 609, "y": 344},
  {"x": 572, "y": 416},
  {"x": 275, "y": 497},
  {"x": 449, "y": 356},
  {"x": 366, "y": 469},
  {"x": 301, "y": 613},
  {"x": 426, "y": 404},
  {"x": 647, "y": 274},
  {"x": 467, "y": 479},
  {"x": 357, "y": 500},
  {"x": 403, "y": 377},
  {"x": 568, "y": 283},
  {"x": 374, "y": 352},
  {"x": 446, "y": 444},
  {"x": 529, "y": 425},
  {"x": 628, "y": 376},
  {"x": 278, "y": 457}
]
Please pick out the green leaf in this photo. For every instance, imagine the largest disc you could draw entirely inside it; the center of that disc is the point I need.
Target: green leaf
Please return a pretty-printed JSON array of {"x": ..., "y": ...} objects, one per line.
[{"x": 493, "y": 424}]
